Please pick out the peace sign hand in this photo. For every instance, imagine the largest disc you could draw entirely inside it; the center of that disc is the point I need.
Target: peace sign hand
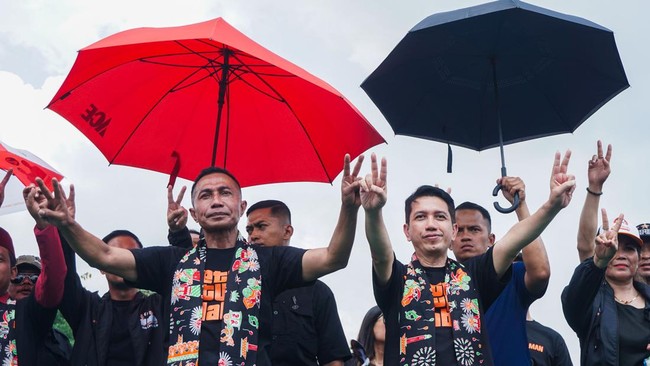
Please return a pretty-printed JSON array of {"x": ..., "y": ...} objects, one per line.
[
  {"x": 374, "y": 191},
  {"x": 176, "y": 214},
  {"x": 607, "y": 240}
]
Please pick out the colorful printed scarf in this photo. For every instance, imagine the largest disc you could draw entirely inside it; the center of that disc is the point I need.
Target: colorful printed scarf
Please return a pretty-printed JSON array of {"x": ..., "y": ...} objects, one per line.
[
  {"x": 418, "y": 343},
  {"x": 7, "y": 333},
  {"x": 239, "y": 331}
]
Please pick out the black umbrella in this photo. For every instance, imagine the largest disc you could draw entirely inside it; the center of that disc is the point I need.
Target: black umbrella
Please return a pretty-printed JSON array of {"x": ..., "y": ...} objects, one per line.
[{"x": 496, "y": 74}]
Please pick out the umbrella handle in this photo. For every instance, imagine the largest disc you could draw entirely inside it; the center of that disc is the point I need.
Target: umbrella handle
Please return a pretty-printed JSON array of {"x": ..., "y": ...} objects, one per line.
[{"x": 498, "y": 207}]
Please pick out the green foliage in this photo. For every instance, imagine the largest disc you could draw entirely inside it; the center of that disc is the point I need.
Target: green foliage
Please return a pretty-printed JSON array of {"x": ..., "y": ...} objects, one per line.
[{"x": 61, "y": 325}]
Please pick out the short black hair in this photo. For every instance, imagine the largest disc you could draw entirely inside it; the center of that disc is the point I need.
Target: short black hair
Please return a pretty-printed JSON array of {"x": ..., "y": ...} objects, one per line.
[
  {"x": 278, "y": 208},
  {"x": 429, "y": 191},
  {"x": 212, "y": 170},
  {"x": 193, "y": 231},
  {"x": 476, "y": 207},
  {"x": 115, "y": 233}
]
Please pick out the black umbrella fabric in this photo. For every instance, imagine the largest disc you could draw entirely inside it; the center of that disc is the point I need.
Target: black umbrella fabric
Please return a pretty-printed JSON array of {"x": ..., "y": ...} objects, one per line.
[{"x": 496, "y": 74}]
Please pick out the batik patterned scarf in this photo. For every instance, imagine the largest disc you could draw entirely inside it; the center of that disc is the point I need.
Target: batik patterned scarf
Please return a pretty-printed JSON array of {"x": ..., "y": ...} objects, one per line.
[
  {"x": 8, "y": 347},
  {"x": 239, "y": 331},
  {"x": 417, "y": 342}
]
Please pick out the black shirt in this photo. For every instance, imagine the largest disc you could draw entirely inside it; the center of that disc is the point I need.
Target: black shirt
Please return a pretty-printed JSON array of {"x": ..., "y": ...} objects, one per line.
[
  {"x": 281, "y": 269},
  {"x": 546, "y": 346},
  {"x": 633, "y": 335},
  {"x": 120, "y": 347},
  {"x": 306, "y": 328},
  {"x": 388, "y": 297}
]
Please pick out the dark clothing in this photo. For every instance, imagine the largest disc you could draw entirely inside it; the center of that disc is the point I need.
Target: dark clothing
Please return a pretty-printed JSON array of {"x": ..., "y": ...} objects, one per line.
[
  {"x": 546, "y": 346},
  {"x": 33, "y": 325},
  {"x": 306, "y": 327},
  {"x": 111, "y": 332},
  {"x": 389, "y": 296},
  {"x": 633, "y": 339},
  {"x": 281, "y": 269},
  {"x": 590, "y": 309}
]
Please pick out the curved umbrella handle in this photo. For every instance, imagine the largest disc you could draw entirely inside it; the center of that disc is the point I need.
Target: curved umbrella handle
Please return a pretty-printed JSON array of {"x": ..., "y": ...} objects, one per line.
[{"x": 498, "y": 207}]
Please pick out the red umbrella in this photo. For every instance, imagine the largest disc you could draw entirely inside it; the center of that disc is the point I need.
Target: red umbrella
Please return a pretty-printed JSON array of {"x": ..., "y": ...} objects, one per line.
[
  {"x": 178, "y": 99},
  {"x": 27, "y": 166}
]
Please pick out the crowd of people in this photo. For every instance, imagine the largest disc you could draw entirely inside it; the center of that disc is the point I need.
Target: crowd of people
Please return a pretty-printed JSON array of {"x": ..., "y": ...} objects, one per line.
[{"x": 223, "y": 299}]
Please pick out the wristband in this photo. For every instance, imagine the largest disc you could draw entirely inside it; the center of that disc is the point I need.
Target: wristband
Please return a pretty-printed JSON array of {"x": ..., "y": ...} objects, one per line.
[{"x": 594, "y": 193}]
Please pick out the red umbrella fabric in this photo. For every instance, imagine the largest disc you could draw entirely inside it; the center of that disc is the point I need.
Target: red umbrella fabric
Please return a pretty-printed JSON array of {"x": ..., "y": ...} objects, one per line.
[
  {"x": 178, "y": 99},
  {"x": 27, "y": 166}
]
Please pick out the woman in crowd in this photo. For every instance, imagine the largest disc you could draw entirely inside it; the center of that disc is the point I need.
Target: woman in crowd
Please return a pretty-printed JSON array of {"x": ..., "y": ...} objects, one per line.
[{"x": 369, "y": 349}]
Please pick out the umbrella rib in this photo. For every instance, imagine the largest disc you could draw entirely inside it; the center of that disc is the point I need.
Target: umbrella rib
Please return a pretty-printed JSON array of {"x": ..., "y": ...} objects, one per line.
[
  {"x": 281, "y": 99},
  {"x": 239, "y": 77},
  {"x": 149, "y": 112}
]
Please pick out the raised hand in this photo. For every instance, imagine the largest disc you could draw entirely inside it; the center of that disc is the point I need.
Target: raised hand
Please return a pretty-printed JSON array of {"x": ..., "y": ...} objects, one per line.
[
  {"x": 373, "y": 187},
  {"x": 607, "y": 240},
  {"x": 562, "y": 184},
  {"x": 55, "y": 208},
  {"x": 599, "y": 168},
  {"x": 3, "y": 184},
  {"x": 512, "y": 185},
  {"x": 176, "y": 214},
  {"x": 350, "y": 182}
]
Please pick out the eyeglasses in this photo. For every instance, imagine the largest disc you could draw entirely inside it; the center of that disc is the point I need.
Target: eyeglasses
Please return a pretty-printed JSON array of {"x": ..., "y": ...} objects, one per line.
[{"x": 21, "y": 277}]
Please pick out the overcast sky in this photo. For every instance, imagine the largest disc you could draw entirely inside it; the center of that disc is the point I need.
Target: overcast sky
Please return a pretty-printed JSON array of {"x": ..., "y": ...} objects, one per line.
[{"x": 340, "y": 42}]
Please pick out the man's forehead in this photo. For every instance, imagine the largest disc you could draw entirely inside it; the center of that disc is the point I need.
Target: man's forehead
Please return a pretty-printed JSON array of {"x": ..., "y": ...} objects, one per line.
[
  {"x": 217, "y": 180},
  {"x": 429, "y": 203},
  {"x": 470, "y": 217},
  {"x": 261, "y": 214}
]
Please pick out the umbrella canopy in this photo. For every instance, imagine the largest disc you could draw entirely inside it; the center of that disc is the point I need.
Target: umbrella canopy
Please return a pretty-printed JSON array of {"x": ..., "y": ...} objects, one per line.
[
  {"x": 495, "y": 74},
  {"x": 179, "y": 99},
  {"x": 27, "y": 166}
]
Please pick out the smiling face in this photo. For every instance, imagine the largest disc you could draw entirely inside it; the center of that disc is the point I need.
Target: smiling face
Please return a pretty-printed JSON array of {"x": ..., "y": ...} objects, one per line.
[
  {"x": 217, "y": 203},
  {"x": 625, "y": 262},
  {"x": 430, "y": 228},
  {"x": 474, "y": 237}
]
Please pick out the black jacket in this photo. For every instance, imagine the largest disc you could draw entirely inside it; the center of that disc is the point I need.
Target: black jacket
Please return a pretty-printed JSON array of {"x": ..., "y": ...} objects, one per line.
[
  {"x": 90, "y": 317},
  {"x": 589, "y": 308}
]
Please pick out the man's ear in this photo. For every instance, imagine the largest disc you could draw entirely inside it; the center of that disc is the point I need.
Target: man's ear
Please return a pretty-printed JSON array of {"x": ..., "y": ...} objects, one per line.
[
  {"x": 406, "y": 232},
  {"x": 244, "y": 204},
  {"x": 288, "y": 232},
  {"x": 14, "y": 272},
  {"x": 492, "y": 239},
  {"x": 193, "y": 213}
]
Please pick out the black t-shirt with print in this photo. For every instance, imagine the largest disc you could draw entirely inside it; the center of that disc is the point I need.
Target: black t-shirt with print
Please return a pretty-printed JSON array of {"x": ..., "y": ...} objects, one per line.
[
  {"x": 389, "y": 296},
  {"x": 444, "y": 333},
  {"x": 281, "y": 269},
  {"x": 120, "y": 347},
  {"x": 546, "y": 346}
]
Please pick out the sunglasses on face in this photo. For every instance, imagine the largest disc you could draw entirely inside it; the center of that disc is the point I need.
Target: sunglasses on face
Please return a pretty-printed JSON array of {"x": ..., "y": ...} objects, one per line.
[{"x": 21, "y": 277}]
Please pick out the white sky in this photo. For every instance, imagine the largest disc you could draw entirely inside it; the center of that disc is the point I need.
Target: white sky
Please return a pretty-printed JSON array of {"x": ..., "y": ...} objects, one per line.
[{"x": 340, "y": 42}]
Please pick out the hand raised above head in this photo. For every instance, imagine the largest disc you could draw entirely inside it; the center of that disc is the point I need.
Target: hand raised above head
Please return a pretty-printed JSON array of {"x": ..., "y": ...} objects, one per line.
[
  {"x": 373, "y": 187},
  {"x": 55, "y": 208},
  {"x": 3, "y": 184},
  {"x": 599, "y": 168},
  {"x": 350, "y": 182},
  {"x": 562, "y": 183},
  {"x": 512, "y": 185},
  {"x": 176, "y": 214}
]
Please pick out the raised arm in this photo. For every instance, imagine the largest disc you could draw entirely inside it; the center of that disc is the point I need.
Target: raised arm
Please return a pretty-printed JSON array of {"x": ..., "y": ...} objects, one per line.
[
  {"x": 3, "y": 184},
  {"x": 58, "y": 210},
  {"x": 373, "y": 198},
  {"x": 321, "y": 261},
  {"x": 524, "y": 232},
  {"x": 179, "y": 235},
  {"x": 538, "y": 269},
  {"x": 597, "y": 172}
]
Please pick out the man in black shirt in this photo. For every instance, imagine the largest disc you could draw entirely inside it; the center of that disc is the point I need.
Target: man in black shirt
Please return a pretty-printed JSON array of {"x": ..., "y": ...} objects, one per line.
[
  {"x": 546, "y": 346},
  {"x": 219, "y": 307},
  {"x": 433, "y": 305},
  {"x": 306, "y": 325}
]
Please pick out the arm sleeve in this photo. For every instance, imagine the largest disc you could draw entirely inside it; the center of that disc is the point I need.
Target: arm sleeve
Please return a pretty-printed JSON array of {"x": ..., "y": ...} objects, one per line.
[
  {"x": 155, "y": 267},
  {"x": 481, "y": 269},
  {"x": 332, "y": 344},
  {"x": 181, "y": 238},
  {"x": 285, "y": 267},
  {"x": 386, "y": 294},
  {"x": 578, "y": 296},
  {"x": 75, "y": 296},
  {"x": 48, "y": 290}
]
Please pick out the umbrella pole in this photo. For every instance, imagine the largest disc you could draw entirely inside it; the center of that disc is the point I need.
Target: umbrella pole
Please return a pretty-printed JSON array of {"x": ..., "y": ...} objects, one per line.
[
  {"x": 504, "y": 172},
  {"x": 223, "y": 86}
]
